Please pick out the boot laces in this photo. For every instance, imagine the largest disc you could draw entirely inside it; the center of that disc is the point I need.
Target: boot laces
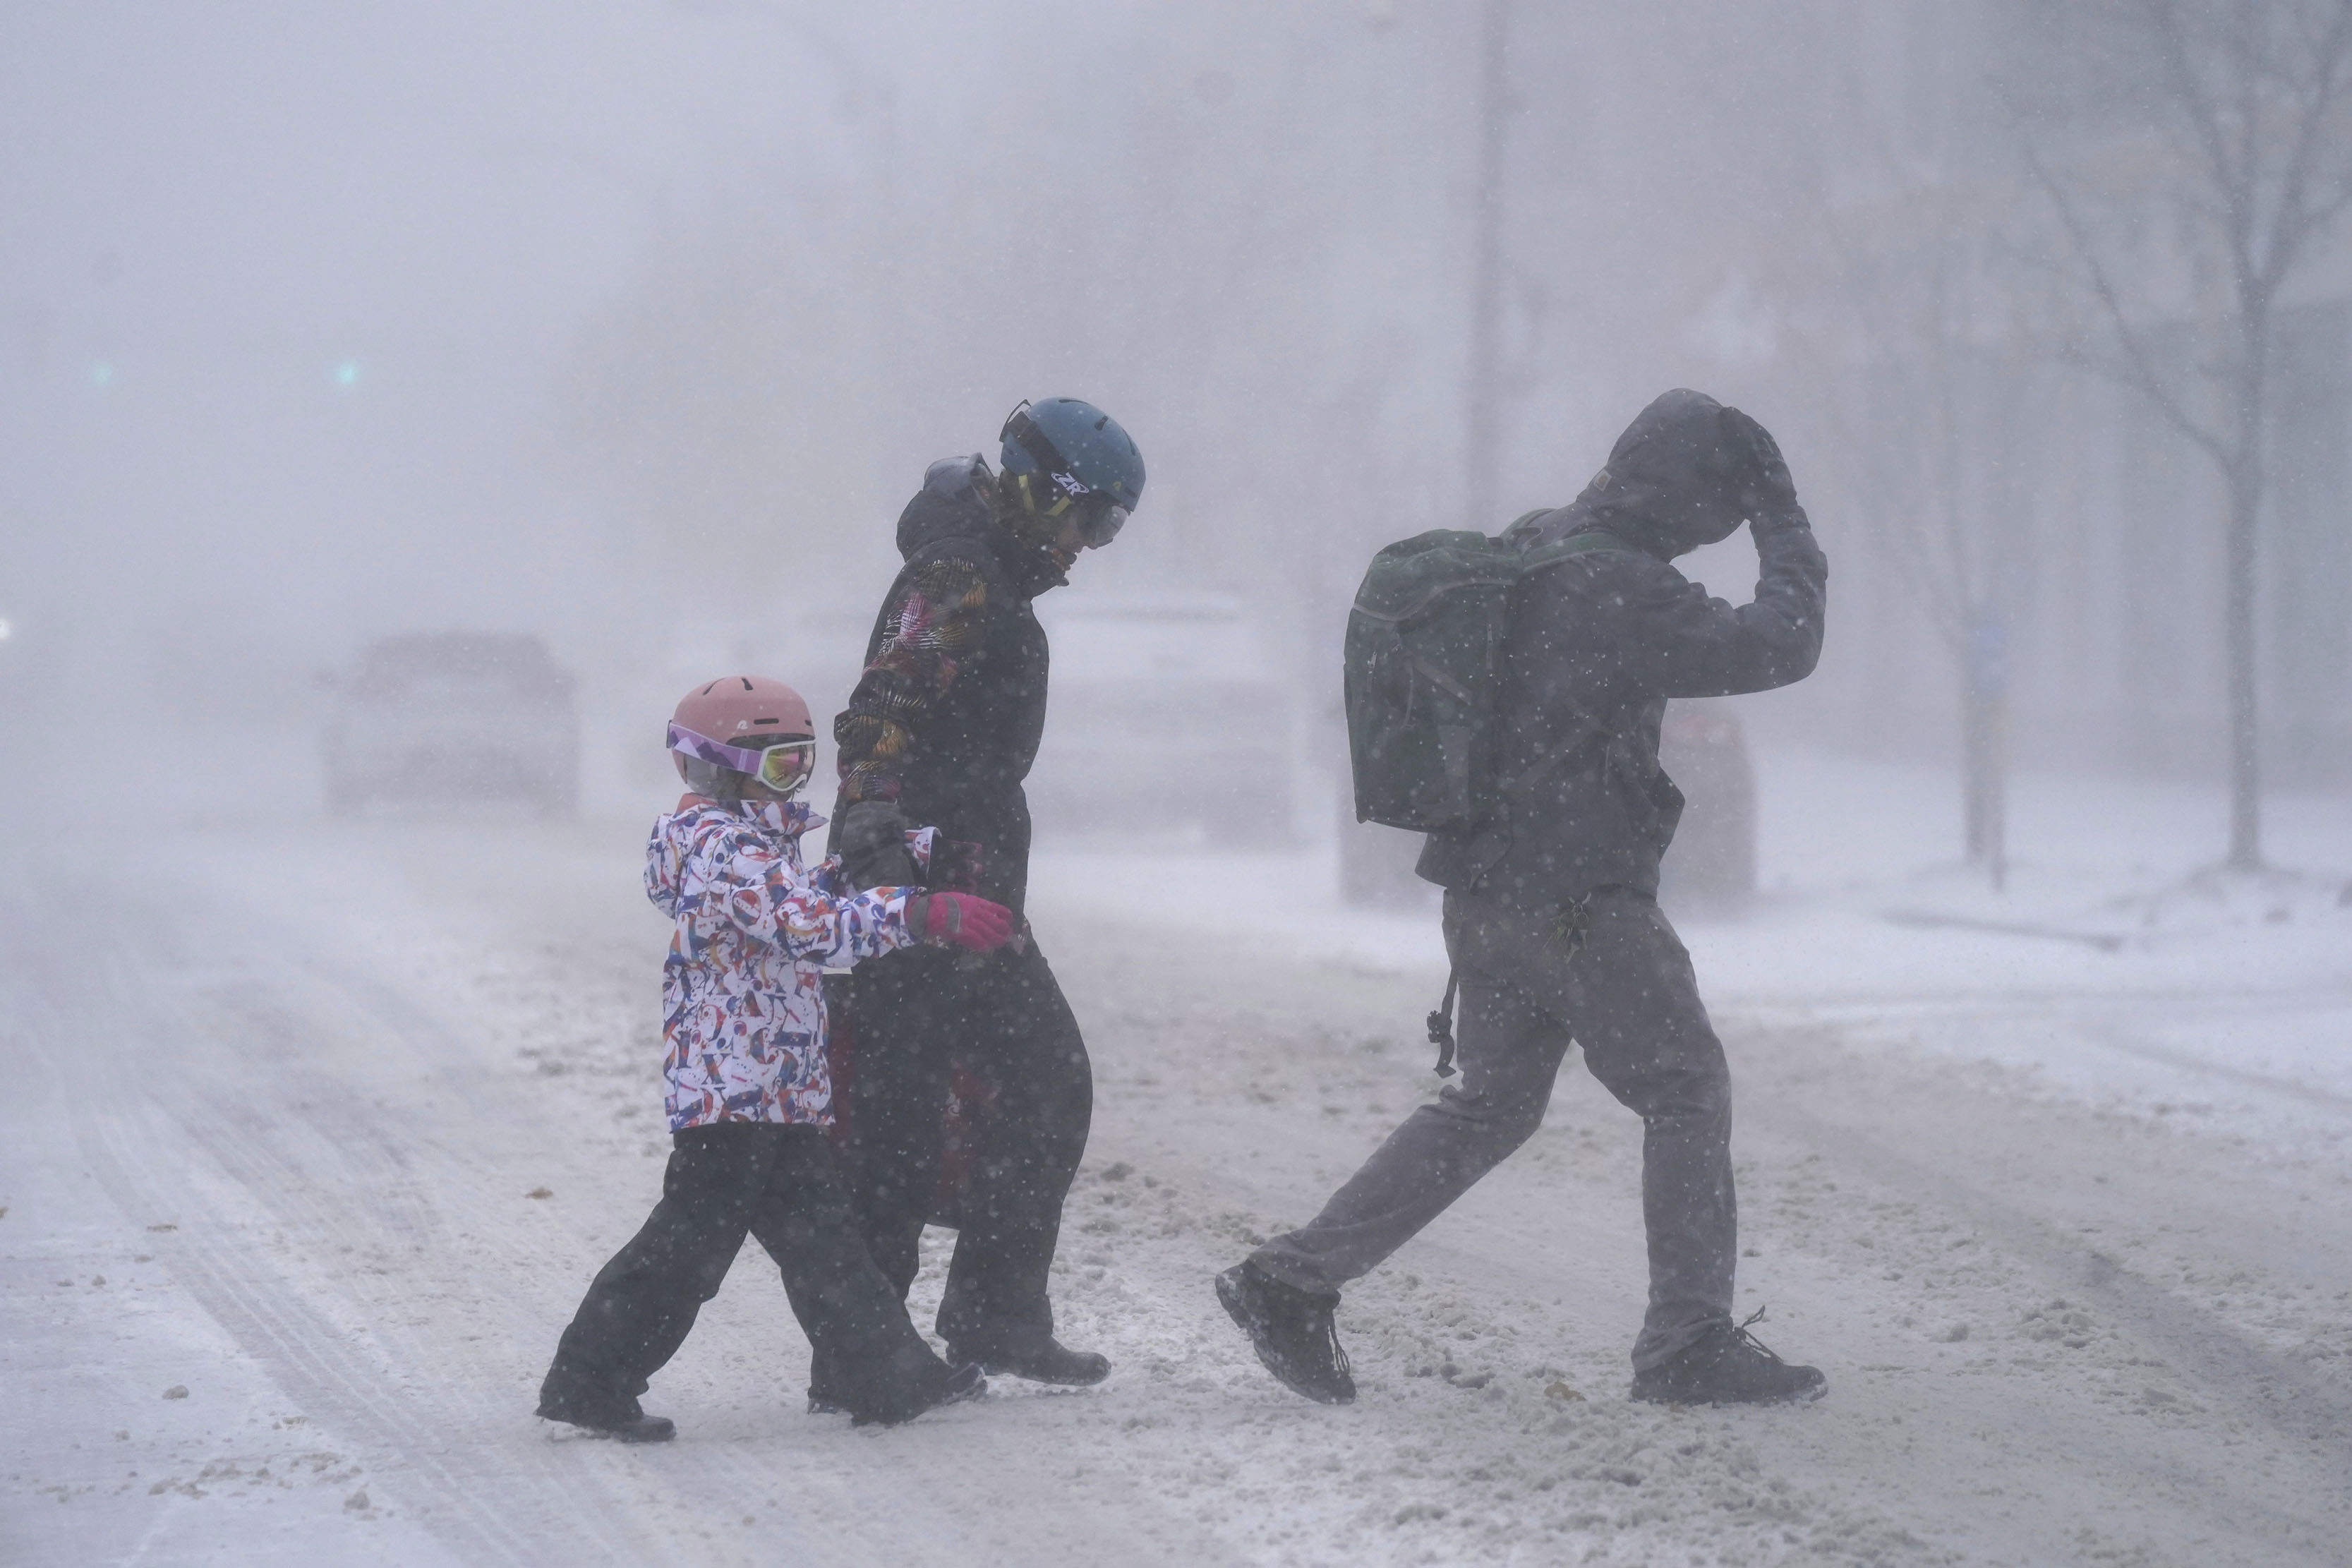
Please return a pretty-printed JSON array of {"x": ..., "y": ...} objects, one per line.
[
  {"x": 1330, "y": 1337},
  {"x": 1319, "y": 1330},
  {"x": 1741, "y": 1337}
]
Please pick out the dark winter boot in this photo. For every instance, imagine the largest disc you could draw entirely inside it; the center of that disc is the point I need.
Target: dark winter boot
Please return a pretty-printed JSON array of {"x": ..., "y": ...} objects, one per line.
[
  {"x": 963, "y": 1381},
  {"x": 643, "y": 1429},
  {"x": 1293, "y": 1332},
  {"x": 1041, "y": 1360},
  {"x": 626, "y": 1424},
  {"x": 1728, "y": 1366},
  {"x": 581, "y": 1395},
  {"x": 905, "y": 1385}
]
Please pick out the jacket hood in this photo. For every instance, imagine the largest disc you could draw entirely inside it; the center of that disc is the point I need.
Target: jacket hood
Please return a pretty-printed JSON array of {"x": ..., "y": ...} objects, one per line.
[
  {"x": 953, "y": 504},
  {"x": 673, "y": 838},
  {"x": 1674, "y": 479}
]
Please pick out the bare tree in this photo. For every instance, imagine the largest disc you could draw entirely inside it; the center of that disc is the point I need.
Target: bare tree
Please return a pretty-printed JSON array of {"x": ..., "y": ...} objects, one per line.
[
  {"x": 1933, "y": 421},
  {"x": 2232, "y": 119},
  {"x": 1929, "y": 387}
]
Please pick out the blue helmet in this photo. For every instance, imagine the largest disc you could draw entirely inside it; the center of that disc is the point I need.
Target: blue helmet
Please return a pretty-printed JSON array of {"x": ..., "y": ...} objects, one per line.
[{"x": 1079, "y": 454}]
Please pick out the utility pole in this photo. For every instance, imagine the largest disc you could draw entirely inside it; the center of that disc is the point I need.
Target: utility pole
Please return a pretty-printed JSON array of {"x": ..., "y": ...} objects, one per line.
[
  {"x": 1985, "y": 724},
  {"x": 1482, "y": 435}
]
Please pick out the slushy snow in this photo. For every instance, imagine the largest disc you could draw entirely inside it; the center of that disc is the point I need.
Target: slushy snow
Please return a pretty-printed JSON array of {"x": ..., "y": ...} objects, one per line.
[{"x": 329, "y": 1130}]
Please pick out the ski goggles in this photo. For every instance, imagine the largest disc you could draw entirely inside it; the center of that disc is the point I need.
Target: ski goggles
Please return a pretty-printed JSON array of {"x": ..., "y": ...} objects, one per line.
[
  {"x": 783, "y": 764},
  {"x": 1099, "y": 523},
  {"x": 1099, "y": 517}
]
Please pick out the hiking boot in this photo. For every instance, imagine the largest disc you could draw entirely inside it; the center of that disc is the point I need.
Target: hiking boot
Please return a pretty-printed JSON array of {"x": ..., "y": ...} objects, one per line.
[
  {"x": 622, "y": 1425},
  {"x": 1728, "y": 1366},
  {"x": 1292, "y": 1330},
  {"x": 964, "y": 1382},
  {"x": 1043, "y": 1359},
  {"x": 580, "y": 1394}
]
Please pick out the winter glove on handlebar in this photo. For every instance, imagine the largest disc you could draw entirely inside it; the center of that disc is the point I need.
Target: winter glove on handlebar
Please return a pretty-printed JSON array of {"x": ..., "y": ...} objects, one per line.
[
  {"x": 1767, "y": 495},
  {"x": 874, "y": 845},
  {"x": 958, "y": 920}
]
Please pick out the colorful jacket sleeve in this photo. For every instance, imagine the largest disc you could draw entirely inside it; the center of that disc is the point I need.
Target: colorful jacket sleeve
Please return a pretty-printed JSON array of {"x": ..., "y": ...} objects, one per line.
[
  {"x": 747, "y": 883},
  {"x": 937, "y": 616}
]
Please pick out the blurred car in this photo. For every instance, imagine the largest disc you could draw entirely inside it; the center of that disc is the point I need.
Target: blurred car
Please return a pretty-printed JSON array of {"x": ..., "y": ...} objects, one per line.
[
  {"x": 1711, "y": 865},
  {"x": 1167, "y": 712},
  {"x": 445, "y": 718}
]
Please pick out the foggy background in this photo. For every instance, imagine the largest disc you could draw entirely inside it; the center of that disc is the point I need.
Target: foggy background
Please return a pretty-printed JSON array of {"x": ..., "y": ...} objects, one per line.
[
  {"x": 633, "y": 326},
  {"x": 630, "y": 326}
]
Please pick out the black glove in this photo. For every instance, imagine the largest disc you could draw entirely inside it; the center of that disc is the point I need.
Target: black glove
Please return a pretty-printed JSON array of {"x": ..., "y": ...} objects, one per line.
[
  {"x": 1768, "y": 496},
  {"x": 874, "y": 845}
]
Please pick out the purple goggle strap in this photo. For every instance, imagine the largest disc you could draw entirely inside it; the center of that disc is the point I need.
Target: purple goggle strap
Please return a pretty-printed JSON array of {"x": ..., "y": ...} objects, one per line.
[{"x": 684, "y": 740}]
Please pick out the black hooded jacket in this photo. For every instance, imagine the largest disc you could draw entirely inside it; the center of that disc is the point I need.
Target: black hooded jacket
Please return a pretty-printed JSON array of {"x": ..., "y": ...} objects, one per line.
[
  {"x": 1601, "y": 640},
  {"x": 948, "y": 715}
]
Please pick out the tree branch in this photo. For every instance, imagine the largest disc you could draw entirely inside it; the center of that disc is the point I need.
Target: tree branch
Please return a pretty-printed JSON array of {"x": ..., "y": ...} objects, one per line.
[
  {"x": 2143, "y": 377},
  {"x": 2295, "y": 224}
]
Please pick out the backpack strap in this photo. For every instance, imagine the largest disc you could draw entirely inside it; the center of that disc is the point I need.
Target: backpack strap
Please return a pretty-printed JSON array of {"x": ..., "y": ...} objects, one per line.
[
  {"x": 1574, "y": 544},
  {"x": 1534, "y": 560},
  {"x": 1441, "y": 1026}
]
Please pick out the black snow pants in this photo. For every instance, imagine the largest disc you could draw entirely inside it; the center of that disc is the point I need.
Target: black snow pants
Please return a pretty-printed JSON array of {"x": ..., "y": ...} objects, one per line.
[
  {"x": 918, "y": 1012},
  {"x": 775, "y": 1182}
]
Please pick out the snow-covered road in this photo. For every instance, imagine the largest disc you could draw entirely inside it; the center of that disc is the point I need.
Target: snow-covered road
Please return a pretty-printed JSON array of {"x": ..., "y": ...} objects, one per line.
[{"x": 329, "y": 1132}]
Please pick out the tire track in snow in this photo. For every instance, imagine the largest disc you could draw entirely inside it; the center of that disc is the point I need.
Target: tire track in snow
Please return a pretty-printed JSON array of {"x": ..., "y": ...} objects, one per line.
[
  {"x": 144, "y": 1167},
  {"x": 2094, "y": 1017},
  {"x": 148, "y": 1156},
  {"x": 228, "y": 1128},
  {"x": 2290, "y": 1400},
  {"x": 2261, "y": 1388},
  {"x": 2115, "y": 1037}
]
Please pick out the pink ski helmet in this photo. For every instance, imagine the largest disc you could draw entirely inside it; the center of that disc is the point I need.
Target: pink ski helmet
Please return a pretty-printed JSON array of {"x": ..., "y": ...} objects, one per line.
[{"x": 747, "y": 724}]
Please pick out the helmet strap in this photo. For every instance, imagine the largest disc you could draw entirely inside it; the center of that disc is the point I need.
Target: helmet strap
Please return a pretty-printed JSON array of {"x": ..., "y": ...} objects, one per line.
[{"x": 1020, "y": 514}]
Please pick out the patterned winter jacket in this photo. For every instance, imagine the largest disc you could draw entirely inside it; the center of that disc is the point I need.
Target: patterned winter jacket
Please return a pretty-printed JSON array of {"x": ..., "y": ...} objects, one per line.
[
  {"x": 743, "y": 1006},
  {"x": 950, "y": 711}
]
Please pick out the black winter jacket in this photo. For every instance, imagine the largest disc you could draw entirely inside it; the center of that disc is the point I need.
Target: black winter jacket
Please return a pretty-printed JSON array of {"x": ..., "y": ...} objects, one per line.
[
  {"x": 948, "y": 715},
  {"x": 1600, "y": 641}
]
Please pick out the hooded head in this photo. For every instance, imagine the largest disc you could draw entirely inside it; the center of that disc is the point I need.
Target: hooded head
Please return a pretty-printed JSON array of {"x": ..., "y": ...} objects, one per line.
[
  {"x": 961, "y": 500},
  {"x": 1676, "y": 477}
]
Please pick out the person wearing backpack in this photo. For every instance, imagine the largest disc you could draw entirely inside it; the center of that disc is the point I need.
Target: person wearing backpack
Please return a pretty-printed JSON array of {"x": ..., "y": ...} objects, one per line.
[{"x": 1505, "y": 696}]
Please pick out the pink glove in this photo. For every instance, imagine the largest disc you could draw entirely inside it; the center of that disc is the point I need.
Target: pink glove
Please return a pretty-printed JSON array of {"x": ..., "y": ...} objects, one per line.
[{"x": 958, "y": 920}]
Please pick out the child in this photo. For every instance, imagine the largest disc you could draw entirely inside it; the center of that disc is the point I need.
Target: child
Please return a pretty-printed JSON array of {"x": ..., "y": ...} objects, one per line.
[{"x": 743, "y": 1018}]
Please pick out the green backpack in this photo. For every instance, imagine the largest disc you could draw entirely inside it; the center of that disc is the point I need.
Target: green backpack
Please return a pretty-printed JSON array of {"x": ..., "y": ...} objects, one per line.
[{"x": 1424, "y": 670}]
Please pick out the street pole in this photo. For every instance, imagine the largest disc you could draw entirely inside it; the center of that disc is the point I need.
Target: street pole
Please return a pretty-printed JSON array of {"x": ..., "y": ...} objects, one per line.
[
  {"x": 1481, "y": 436},
  {"x": 1986, "y": 787}
]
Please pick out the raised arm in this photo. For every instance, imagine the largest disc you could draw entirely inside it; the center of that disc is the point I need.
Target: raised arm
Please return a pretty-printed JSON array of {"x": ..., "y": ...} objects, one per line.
[{"x": 1688, "y": 645}]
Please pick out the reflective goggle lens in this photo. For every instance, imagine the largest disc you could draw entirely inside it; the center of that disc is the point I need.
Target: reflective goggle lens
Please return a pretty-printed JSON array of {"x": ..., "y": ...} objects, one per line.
[
  {"x": 787, "y": 764},
  {"x": 1101, "y": 525}
]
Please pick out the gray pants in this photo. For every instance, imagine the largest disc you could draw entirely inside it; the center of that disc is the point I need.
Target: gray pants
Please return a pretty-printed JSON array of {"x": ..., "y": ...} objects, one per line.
[{"x": 1626, "y": 993}]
